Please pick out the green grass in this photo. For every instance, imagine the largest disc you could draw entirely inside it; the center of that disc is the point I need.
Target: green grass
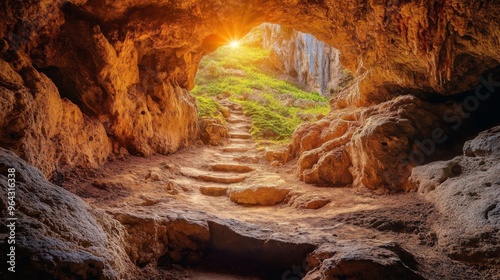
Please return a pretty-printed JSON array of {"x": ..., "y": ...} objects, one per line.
[
  {"x": 240, "y": 72},
  {"x": 208, "y": 107}
]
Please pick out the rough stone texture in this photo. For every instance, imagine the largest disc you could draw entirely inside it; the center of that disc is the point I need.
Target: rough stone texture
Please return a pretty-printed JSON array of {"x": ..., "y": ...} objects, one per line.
[
  {"x": 466, "y": 188},
  {"x": 371, "y": 147},
  {"x": 150, "y": 239},
  {"x": 128, "y": 65},
  {"x": 213, "y": 190},
  {"x": 265, "y": 196},
  {"x": 58, "y": 236},
  {"x": 361, "y": 260},
  {"x": 314, "y": 63},
  {"x": 213, "y": 131},
  {"x": 279, "y": 154},
  {"x": 47, "y": 131}
]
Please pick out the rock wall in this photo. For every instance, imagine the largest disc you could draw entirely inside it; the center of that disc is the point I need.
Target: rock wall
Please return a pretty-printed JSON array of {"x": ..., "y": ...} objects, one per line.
[
  {"x": 39, "y": 126},
  {"x": 314, "y": 63},
  {"x": 58, "y": 236},
  {"x": 466, "y": 188},
  {"x": 123, "y": 69},
  {"x": 367, "y": 147}
]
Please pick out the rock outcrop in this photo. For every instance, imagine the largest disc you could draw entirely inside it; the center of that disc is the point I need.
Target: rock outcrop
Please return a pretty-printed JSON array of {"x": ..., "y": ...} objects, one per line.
[
  {"x": 57, "y": 235},
  {"x": 126, "y": 66},
  {"x": 466, "y": 188},
  {"x": 374, "y": 147},
  {"x": 362, "y": 261},
  {"x": 315, "y": 64},
  {"x": 39, "y": 126},
  {"x": 213, "y": 131}
]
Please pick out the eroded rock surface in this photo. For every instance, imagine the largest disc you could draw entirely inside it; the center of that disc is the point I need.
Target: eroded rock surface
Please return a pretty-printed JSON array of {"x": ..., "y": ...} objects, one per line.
[
  {"x": 58, "y": 235},
  {"x": 213, "y": 131},
  {"x": 45, "y": 130},
  {"x": 371, "y": 260},
  {"x": 466, "y": 188},
  {"x": 314, "y": 63},
  {"x": 371, "y": 147}
]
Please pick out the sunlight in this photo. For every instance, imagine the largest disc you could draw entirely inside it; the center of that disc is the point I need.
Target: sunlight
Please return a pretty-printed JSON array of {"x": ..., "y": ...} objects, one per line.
[{"x": 234, "y": 44}]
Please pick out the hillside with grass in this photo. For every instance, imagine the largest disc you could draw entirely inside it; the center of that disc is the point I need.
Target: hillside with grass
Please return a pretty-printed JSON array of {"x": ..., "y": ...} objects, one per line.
[{"x": 245, "y": 75}]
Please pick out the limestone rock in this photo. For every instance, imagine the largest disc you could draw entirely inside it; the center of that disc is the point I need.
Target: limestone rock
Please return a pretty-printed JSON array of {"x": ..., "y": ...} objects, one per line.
[
  {"x": 151, "y": 238},
  {"x": 47, "y": 131},
  {"x": 214, "y": 190},
  {"x": 373, "y": 147},
  {"x": 332, "y": 167},
  {"x": 314, "y": 63},
  {"x": 265, "y": 196},
  {"x": 279, "y": 154},
  {"x": 130, "y": 84},
  {"x": 235, "y": 168},
  {"x": 467, "y": 190},
  {"x": 213, "y": 131},
  {"x": 361, "y": 260},
  {"x": 59, "y": 236},
  {"x": 485, "y": 144},
  {"x": 309, "y": 202}
]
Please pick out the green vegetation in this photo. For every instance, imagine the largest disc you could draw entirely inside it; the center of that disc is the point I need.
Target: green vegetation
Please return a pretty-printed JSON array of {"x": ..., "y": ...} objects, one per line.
[
  {"x": 208, "y": 107},
  {"x": 242, "y": 74}
]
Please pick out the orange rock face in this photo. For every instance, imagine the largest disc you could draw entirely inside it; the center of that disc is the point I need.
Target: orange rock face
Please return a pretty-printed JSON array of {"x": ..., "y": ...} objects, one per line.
[
  {"x": 41, "y": 127},
  {"x": 123, "y": 68},
  {"x": 374, "y": 147}
]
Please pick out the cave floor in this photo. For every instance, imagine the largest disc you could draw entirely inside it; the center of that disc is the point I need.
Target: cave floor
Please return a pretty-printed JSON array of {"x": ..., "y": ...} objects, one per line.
[{"x": 226, "y": 184}]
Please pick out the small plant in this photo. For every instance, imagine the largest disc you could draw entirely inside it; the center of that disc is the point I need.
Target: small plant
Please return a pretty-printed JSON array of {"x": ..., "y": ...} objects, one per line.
[
  {"x": 213, "y": 70},
  {"x": 208, "y": 107}
]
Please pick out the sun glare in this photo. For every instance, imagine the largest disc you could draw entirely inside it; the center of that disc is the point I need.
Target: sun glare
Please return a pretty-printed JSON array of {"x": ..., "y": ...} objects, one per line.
[{"x": 234, "y": 44}]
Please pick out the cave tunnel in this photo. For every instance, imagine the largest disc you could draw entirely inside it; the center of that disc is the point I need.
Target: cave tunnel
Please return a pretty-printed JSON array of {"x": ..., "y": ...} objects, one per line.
[{"x": 292, "y": 139}]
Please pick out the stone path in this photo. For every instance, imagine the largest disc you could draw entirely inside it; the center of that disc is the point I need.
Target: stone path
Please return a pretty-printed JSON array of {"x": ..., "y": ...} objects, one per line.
[
  {"x": 245, "y": 219},
  {"x": 238, "y": 172}
]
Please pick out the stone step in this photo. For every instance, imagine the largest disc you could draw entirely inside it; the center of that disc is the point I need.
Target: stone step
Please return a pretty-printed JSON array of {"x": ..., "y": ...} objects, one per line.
[
  {"x": 264, "y": 196},
  {"x": 236, "y": 120},
  {"x": 247, "y": 159},
  {"x": 241, "y": 141},
  {"x": 235, "y": 150},
  {"x": 213, "y": 190},
  {"x": 246, "y": 127},
  {"x": 235, "y": 168},
  {"x": 212, "y": 177},
  {"x": 231, "y": 105},
  {"x": 240, "y": 136}
]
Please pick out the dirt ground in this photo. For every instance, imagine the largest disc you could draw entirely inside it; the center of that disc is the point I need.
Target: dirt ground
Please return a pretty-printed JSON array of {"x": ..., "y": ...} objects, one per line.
[{"x": 203, "y": 179}]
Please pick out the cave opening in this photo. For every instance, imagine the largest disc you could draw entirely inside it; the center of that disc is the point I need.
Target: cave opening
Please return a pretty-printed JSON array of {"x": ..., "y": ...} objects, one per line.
[
  {"x": 389, "y": 172},
  {"x": 280, "y": 78}
]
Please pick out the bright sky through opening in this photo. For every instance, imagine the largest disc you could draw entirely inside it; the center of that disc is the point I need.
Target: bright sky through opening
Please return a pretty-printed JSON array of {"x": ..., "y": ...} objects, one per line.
[{"x": 234, "y": 44}]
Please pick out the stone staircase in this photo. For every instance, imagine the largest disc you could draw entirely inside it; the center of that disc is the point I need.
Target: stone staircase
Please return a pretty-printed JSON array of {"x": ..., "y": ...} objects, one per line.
[{"x": 237, "y": 172}]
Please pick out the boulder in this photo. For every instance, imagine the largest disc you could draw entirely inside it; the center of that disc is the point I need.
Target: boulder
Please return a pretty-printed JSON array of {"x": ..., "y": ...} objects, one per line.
[
  {"x": 264, "y": 196},
  {"x": 361, "y": 260},
  {"x": 213, "y": 131},
  {"x": 58, "y": 236}
]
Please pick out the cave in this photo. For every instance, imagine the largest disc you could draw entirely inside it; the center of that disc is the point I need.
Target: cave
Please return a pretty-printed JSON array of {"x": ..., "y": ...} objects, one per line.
[{"x": 115, "y": 165}]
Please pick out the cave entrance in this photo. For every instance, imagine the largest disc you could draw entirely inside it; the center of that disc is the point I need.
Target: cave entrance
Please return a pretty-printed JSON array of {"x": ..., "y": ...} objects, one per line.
[{"x": 279, "y": 77}]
